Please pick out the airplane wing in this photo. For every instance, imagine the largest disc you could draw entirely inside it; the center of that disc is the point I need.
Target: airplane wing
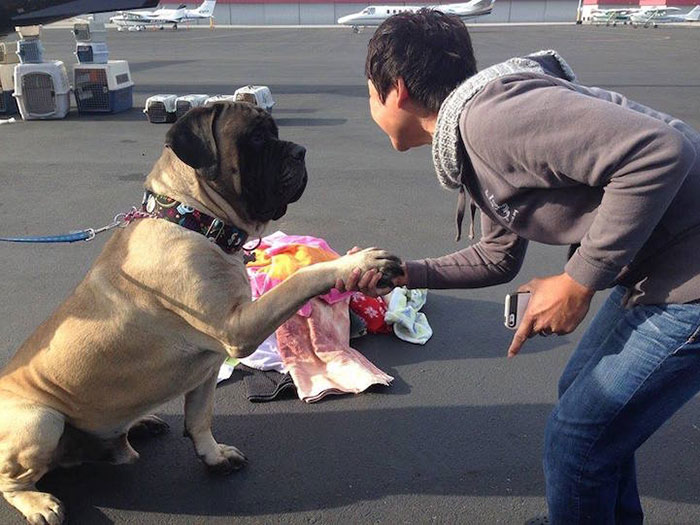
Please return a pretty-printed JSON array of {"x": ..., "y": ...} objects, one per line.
[
  {"x": 32, "y": 12},
  {"x": 611, "y": 11}
]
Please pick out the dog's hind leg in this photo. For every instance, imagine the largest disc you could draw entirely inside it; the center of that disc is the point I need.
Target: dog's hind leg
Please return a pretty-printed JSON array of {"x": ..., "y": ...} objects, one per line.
[
  {"x": 148, "y": 426},
  {"x": 199, "y": 404},
  {"x": 29, "y": 437},
  {"x": 78, "y": 446}
]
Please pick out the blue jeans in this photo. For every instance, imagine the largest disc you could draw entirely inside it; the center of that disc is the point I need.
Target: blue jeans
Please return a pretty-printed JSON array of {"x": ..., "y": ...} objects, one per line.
[{"x": 633, "y": 369}]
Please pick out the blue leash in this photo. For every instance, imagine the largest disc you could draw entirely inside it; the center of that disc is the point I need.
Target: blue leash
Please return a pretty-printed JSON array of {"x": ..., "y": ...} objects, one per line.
[
  {"x": 88, "y": 234},
  {"x": 84, "y": 235}
]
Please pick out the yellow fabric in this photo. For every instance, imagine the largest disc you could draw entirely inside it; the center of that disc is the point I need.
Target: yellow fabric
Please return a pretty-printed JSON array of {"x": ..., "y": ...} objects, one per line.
[{"x": 289, "y": 260}]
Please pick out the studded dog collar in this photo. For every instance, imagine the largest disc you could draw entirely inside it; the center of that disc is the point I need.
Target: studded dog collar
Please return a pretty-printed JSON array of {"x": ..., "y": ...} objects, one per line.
[{"x": 227, "y": 237}]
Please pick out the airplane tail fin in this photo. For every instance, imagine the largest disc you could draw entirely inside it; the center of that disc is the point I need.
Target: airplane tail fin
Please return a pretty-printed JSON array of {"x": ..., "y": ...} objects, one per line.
[
  {"x": 207, "y": 8},
  {"x": 483, "y": 4},
  {"x": 694, "y": 14}
]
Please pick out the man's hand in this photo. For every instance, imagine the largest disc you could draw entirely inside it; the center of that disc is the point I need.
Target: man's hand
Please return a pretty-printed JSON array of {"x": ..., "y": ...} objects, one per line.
[
  {"x": 557, "y": 305},
  {"x": 368, "y": 282}
]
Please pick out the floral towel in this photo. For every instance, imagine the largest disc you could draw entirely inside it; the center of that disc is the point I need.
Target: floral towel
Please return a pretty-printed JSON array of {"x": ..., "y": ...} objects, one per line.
[{"x": 280, "y": 255}]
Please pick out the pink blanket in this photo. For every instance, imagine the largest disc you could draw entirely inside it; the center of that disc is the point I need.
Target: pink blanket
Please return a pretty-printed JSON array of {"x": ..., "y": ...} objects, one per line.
[{"x": 316, "y": 353}]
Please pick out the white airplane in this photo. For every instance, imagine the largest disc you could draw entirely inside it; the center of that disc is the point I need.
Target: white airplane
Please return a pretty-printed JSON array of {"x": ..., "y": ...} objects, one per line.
[
  {"x": 652, "y": 16},
  {"x": 374, "y": 15},
  {"x": 139, "y": 20},
  {"x": 611, "y": 16}
]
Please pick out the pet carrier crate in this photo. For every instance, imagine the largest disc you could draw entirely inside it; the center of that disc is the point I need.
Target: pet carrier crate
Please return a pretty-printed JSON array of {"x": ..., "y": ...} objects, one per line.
[
  {"x": 86, "y": 31},
  {"x": 92, "y": 53},
  {"x": 103, "y": 88},
  {"x": 42, "y": 91},
  {"x": 8, "y": 53},
  {"x": 220, "y": 98},
  {"x": 29, "y": 32},
  {"x": 8, "y": 106},
  {"x": 185, "y": 103},
  {"x": 30, "y": 51},
  {"x": 257, "y": 95},
  {"x": 161, "y": 109}
]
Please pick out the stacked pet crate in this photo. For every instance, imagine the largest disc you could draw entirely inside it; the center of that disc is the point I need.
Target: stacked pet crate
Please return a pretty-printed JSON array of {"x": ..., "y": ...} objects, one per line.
[
  {"x": 220, "y": 98},
  {"x": 8, "y": 59},
  {"x": 257, "y": 95},
  {"x": 166, "y": 108},
  {"x": 161, "y": 109},
  {"x": 186, "y": 102},
  {"x": 42, "y": 90},
  {"x": 100, "y": 85}
]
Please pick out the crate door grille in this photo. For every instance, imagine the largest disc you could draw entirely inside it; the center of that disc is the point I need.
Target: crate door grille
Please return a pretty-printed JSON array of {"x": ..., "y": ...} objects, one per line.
[
  {"x": 183, "y": 107},
  {"x": 82, "y": 33},
  {"x": 247, "y": 97},
  {"x": 31, "y": 51},
  {"x": 92, "y": 90},
  {"x": 38, "y": 92},
  {"x": 156, "y": 112}
]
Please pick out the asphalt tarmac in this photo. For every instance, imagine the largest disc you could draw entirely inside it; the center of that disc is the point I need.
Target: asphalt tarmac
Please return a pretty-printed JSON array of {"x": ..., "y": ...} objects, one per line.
[{"x": 457, "y": 437}]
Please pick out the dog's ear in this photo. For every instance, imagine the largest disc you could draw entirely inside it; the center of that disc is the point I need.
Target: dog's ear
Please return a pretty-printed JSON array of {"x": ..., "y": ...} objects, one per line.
[{"x": 192, "y": 138}]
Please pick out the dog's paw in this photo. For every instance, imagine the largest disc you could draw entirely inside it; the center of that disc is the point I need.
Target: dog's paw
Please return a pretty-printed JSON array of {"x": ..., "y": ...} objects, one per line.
[
  {"x": 371, "y": 258},
  {"x": 228, "y": 459},
  {"x": 148, "y": 426},
  {"x": 39, "y": 508}
]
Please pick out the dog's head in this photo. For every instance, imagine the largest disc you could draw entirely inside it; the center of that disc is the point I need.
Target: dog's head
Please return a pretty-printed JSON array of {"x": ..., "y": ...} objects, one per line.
[{"x": 234, "y": 148}]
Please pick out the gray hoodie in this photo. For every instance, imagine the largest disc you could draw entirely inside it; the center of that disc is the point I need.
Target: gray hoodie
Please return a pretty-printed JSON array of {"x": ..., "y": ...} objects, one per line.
[{"x": 549, "y": 160}]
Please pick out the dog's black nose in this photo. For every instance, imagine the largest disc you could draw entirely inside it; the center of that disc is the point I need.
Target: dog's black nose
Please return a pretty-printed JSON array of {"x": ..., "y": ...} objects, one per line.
[{"x": 298, "y": 152}]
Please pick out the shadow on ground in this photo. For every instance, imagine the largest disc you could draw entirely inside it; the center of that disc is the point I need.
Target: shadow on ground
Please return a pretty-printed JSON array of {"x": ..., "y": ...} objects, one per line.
[{"x": 328, "y": 460}]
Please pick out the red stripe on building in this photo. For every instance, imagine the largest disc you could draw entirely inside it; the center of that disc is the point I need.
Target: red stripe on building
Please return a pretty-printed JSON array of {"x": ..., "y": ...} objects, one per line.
[{"x": 660, "y": 3}]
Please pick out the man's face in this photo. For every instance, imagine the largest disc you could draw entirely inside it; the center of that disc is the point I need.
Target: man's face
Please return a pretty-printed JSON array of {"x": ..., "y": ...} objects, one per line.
[{"x": 400, "y": 125}]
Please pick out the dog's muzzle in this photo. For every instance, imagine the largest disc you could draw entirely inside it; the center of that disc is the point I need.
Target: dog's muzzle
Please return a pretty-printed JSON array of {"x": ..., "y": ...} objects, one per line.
[{"x": 292, "y": 181}]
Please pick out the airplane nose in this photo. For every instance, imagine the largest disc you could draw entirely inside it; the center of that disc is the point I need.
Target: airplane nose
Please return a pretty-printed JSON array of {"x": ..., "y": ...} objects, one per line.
[{"x": 344, "y": 19}]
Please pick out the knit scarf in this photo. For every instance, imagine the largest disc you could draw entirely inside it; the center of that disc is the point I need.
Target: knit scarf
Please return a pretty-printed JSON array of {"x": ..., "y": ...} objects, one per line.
[{"x": 447, "y": 144}]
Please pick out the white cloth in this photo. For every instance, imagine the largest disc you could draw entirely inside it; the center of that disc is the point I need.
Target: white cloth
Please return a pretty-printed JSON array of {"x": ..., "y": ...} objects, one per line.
[
  {"x": 226, "y": 371},
  {"x": 403, "y": 313},
  {"x": 266, "y": 357}
]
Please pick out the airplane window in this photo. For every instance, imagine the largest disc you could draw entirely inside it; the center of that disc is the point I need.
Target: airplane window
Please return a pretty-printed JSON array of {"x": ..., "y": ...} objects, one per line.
[{"x": 371, "y": 10}]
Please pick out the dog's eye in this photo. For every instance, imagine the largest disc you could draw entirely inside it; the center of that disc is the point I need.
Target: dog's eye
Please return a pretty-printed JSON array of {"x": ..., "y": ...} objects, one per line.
[{"x": 257, "y": 138}]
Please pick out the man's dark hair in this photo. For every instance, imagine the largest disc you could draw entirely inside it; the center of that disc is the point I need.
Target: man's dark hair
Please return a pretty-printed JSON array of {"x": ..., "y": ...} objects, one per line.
[{"x": 430, "y": 50}]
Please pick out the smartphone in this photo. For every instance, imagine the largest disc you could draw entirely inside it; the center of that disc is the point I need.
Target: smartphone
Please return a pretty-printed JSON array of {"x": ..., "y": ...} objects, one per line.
[{"x": 516, "y": 304}]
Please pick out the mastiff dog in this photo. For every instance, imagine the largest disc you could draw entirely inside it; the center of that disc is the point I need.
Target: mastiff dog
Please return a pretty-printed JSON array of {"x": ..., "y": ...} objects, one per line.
[{"x": 166, "y": 302}]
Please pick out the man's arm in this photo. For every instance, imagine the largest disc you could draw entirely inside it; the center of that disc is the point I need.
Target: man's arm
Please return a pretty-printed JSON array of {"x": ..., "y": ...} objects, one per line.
[{"x": 495, "y": 259}]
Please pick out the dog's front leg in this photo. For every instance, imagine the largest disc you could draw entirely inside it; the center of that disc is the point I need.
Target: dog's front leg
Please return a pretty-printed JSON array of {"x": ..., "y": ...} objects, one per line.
[
  {"x": 251, "y": 323},
  {"x": 199, "y": 405}
]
